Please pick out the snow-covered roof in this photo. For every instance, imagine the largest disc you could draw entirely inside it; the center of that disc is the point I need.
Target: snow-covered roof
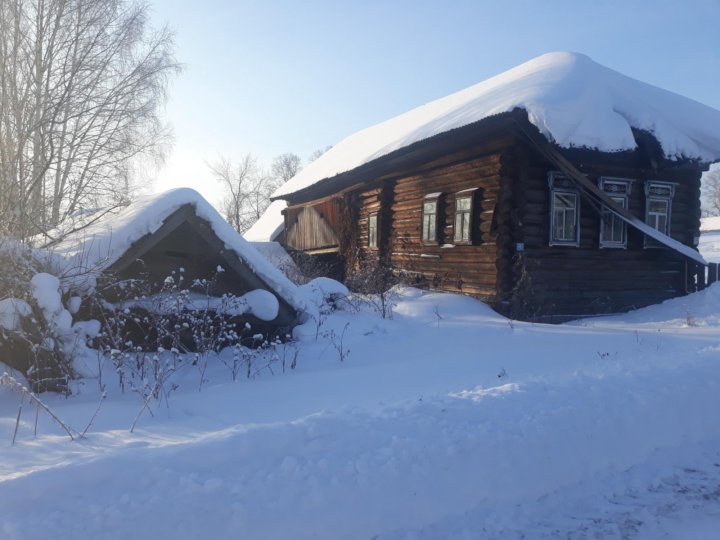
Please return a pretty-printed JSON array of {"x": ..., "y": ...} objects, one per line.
[
  {"x": 573, "y": 101},
  {"x": 270, "y": 224},
  {"x": 103, "y": 242}
]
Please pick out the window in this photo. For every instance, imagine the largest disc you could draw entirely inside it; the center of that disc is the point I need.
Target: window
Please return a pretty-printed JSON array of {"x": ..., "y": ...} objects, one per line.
[
  {"x": 430, "y": 219},
  {"x": 373, "y": 231},
  {"x": 463, "y": 218},
  {"x": 658, "y": 208},
  {"x": 564, "y": 211},
  {"x": 613, "y": 230}
]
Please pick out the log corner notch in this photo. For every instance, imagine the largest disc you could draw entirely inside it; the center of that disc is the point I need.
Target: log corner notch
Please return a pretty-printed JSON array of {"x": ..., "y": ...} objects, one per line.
[{"x": 597, "y": 198}]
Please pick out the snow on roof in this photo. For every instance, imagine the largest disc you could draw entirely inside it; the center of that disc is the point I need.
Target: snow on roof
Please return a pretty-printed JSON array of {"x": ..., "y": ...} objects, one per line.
[
  {"x": 103, "y": 242},
  {"x": 270, "y": 224},
  {"x": 281, "y": 259},
  {"x": 710, "y": 224},
  {"x": 572, "y": 100}
]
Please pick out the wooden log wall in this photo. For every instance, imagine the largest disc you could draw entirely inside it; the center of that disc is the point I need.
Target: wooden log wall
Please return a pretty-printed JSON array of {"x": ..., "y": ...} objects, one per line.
[
  {"x": 445, "y": 265},
  {"x": 568, "y": 281}
]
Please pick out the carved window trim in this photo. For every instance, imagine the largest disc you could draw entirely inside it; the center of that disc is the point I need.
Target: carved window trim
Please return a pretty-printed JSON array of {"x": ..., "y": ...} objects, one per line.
[
  {"x": 429, "y": 225},
  {"x": 565, "y": 206},
  {"x": 658, "y": 209},
  {"x": 619, "y": 190},
  {"x": 463, "y": 217}
]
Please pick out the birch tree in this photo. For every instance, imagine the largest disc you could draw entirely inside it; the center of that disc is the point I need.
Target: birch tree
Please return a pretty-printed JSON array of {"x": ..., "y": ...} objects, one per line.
[{"x": 81, "y": 86}]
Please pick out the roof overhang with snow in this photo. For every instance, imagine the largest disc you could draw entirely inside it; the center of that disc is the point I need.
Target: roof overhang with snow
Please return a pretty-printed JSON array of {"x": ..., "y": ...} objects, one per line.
[{"x": 573, "y": 101}]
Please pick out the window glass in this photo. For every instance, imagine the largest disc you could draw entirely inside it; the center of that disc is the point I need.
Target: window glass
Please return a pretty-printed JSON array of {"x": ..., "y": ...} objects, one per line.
[
  {"x": 463, "y": 218},
  {"x": 372, "y": 231},
  {"x": 612, "y": 228},
  {"x": 658, "y": 208},
  {"x": 564, "y": 226},
  {"x": 429, "y": 223},
  {"x": 658, "y": 214}
]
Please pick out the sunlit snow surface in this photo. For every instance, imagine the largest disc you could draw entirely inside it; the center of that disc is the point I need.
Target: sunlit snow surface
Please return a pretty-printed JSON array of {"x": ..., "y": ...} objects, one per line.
[
  {"x": 571, "y": 99},
  {"x": 447, "y": 421},
  {"x": 710, "y": 239}
]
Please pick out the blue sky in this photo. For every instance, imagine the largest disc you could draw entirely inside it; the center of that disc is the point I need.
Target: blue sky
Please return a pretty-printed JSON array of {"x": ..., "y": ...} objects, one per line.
[{"x": 268, "y": 77}]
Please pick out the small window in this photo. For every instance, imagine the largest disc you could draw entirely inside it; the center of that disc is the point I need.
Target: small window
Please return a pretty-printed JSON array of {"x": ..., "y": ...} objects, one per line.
[
  {"x": 564, "y": 211},
  {"x": 658, "y": 208},
  {"x": 430, "y": 220},
  {"x": 373, "y": 231},
  {"x": 613, "y": 229},
  {"x": 463, "y": 219}
]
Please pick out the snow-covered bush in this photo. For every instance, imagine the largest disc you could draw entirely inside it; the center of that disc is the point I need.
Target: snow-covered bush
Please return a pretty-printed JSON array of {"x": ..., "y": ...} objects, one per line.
[
  {"x": 150, "y": 335},
  {"x": 36, "y": 332},
  {"x": 374, "y": 282}
]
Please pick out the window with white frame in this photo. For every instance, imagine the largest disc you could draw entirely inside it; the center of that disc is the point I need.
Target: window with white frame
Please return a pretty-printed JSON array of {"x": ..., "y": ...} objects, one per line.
[
  {"x": 373, "y": 231},
  {"x": 613, "y": 229},
  {"x": 564, "y": 211},
  {"x": 658, "y": 208},
  {"x": 463, "y": 218},
  {"x": 430, "y": 219}
]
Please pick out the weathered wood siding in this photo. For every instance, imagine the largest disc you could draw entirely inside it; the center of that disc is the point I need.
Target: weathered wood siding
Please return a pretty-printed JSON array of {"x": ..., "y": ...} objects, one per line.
[
  {"x": 445, "y": 265},
  {"x": 564, "y": 280},
  {"x": 314, "y": 226}
]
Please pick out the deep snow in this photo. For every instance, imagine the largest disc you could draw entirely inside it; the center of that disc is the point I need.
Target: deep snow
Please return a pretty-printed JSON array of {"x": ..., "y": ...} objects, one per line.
[{"x": 448, "y": 421}]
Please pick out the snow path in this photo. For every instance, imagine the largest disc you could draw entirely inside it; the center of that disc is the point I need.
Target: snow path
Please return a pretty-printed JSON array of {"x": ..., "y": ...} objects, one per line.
[{"x": 517, "y": 431}]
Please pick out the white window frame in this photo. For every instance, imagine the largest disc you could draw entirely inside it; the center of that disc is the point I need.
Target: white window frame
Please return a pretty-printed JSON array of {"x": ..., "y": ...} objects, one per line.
[
  {"x": 561, "y": 185},
  {"x": 618, "y": 189},
  {"x": 372, "y": 231},
  {"x": 434, "y": 199},
  {"x": 465, "y": 236},
  {"x": 658, "y": 191}
]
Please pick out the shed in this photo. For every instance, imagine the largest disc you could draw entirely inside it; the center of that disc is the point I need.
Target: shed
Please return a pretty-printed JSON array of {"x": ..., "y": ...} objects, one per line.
[
  {"x": 163, "y": 237},
  {"x": 557, "y": 189}
]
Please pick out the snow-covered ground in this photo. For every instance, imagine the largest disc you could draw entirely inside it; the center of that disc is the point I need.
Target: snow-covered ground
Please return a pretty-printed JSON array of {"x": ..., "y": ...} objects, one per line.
[
  {"x": 447, "y": 421},
  {"x": 710, "y": 239}
]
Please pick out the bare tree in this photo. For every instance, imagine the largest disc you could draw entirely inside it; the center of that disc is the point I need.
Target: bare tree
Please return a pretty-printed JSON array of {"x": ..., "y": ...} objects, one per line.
[
  {"x": 285, "y": 166},
  {"x": 711, "y": 191},
  {"x": 247, "y": 187},
  {"x": 81, "y": 86},
  {"x": 317, "y": 153}
]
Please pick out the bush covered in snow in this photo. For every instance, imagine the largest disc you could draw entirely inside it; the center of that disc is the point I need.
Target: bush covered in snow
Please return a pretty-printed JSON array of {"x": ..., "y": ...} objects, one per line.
[{"x": 36, "y": 332}]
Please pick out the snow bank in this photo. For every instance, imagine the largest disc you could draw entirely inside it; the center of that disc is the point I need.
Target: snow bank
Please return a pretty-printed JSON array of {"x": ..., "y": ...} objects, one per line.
[
  {"x": 710, "y": 224},
  {"x": 696, "y": 309},
  {"x": 281, "y": 259},
  {"x": 447, "y": 421},
  {"x": 572, "y": 100},
  {"x": 103, "y": 242},
  {"x": 709, "y": 246}
]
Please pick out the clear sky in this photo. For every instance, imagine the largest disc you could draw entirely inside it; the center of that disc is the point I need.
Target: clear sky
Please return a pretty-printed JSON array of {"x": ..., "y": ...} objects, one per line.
[{"x": 268, "y": 77}]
